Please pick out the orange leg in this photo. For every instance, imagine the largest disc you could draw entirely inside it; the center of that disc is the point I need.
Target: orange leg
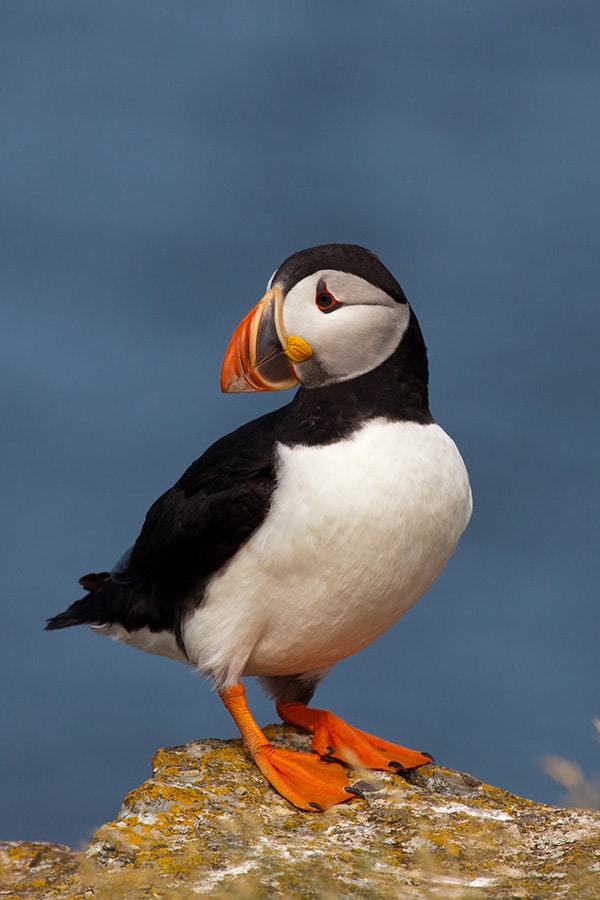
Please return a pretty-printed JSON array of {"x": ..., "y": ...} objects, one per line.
[
  {"x": 304, "y": 779},
  {"x": 335, "y": 739}
]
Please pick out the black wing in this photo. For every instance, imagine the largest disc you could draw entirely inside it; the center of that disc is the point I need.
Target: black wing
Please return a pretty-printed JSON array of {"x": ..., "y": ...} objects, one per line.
[{"x": 189, "y": 533}]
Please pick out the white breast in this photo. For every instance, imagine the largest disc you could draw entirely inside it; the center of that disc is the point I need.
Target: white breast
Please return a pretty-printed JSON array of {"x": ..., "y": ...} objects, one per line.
[{"x": 357, "y": 531}]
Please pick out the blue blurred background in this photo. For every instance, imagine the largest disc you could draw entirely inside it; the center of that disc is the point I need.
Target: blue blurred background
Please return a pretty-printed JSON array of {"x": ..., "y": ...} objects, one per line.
[{"x": 158, "y": 160}]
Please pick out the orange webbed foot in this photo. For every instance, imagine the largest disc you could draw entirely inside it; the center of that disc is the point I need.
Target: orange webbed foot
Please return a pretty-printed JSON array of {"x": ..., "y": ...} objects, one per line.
[
  {"x": 305, "y": 779},
  {"x": 334, "y": 738}
]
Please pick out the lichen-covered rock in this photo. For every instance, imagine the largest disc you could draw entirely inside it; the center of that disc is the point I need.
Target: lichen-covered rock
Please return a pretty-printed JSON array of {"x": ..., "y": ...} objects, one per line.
[
  {"x": 30, "y": 870},
  {"x": 207, "y": 823}
]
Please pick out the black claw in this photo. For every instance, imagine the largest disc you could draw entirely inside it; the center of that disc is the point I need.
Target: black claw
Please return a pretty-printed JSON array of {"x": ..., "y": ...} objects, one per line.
[
  {"x": 328, "y": 755},
  {"x": 356, "y": 791},
  {"x": 316, "y": 806},
  {"x": 428, "y": 755},
  {"x": 398, "y": 768}
]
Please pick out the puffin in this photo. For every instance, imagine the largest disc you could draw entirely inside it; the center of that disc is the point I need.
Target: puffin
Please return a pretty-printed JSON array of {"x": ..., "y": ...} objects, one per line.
[{"x": 302, "y": 536}]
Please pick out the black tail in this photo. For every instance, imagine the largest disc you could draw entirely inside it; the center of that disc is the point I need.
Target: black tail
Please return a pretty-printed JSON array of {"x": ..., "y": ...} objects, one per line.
[
  {"x": 88, "y": 610},
  {"x": 111, "y": 602},
  {"x": 79, "y": 613}
]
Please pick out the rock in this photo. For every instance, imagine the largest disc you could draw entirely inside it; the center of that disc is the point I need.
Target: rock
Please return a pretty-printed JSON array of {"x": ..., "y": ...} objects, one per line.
[
  {"x": 206, "y": 823},
  {"x": 34, "y": 869}
]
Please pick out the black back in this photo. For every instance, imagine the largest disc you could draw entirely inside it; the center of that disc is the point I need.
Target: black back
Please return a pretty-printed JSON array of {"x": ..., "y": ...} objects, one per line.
[{"x": 189, "y": 533}]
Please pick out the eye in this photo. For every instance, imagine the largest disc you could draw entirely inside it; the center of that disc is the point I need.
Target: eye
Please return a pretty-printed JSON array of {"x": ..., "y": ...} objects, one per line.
[{"x": 325, "y": 300}]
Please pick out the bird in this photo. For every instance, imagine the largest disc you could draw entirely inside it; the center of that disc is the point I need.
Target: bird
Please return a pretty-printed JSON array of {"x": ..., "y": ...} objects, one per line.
[{"x": 299, "y": 538}]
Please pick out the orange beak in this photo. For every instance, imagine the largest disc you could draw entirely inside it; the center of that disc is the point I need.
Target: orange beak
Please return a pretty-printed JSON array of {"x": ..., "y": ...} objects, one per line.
[{"x": 259, "y": 354}]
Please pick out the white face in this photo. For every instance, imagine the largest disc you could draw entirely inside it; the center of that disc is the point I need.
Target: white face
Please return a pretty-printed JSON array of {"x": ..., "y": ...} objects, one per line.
[{"x": 350, "y": 339}]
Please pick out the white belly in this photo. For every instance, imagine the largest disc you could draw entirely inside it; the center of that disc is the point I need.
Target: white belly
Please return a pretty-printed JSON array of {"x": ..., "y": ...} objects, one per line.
[{"x": 357, "y": 531}]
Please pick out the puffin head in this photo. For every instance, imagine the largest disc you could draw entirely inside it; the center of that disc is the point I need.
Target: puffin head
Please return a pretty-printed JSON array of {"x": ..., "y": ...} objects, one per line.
[{"x": 330, "y": 314}]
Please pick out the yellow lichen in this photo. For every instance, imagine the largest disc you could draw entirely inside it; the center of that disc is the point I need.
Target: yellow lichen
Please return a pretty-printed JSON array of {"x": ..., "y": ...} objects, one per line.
[{"x": 207, "y": 823}]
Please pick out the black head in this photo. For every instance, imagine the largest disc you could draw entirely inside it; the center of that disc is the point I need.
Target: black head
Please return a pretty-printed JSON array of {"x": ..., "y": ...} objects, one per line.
[{"x": 350, "y": 258}]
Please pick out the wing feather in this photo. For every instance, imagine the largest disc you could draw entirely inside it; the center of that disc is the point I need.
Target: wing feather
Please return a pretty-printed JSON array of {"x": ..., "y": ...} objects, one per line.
[{"x": 192, "y": 530}]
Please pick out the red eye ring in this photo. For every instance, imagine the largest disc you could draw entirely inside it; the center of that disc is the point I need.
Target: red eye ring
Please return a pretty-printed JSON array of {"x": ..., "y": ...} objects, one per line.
[{"x": 325, "y": 300}]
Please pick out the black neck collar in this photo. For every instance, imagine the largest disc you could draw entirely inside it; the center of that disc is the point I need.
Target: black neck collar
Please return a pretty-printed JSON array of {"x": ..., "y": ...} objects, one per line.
[{"x": 396, "y": 390}]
